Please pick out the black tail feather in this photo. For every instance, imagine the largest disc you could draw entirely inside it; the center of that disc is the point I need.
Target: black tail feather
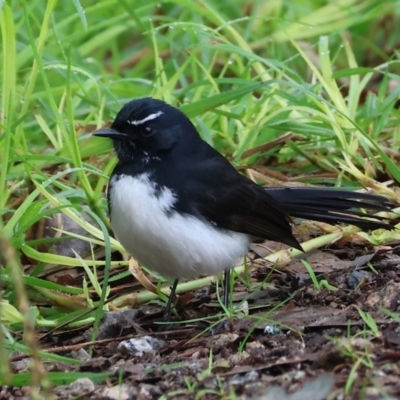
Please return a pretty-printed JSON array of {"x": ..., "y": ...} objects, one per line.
[{"x": 332, "y": 205}]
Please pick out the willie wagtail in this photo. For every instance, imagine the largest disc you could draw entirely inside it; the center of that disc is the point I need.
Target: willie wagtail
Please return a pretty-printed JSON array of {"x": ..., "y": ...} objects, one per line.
[{"x": 180, "y": 208}]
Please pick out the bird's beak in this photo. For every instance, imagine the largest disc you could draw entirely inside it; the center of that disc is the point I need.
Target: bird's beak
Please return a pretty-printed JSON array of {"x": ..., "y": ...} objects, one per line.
[{"x": 109, "y": 133}]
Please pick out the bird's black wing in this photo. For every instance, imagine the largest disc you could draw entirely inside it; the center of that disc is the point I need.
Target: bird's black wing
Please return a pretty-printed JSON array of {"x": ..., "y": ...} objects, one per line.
[
  {"x": 332, "y": 205},
  {"x": 231, "y": 201}
]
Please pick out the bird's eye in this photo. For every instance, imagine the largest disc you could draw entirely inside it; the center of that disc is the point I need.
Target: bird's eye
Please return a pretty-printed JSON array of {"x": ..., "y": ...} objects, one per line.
[{"x": 147, "y": 131}]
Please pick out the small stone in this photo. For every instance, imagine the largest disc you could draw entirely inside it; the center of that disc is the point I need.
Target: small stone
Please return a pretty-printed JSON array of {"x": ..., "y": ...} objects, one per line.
[
  {"x": 119, "y": 392},
  {"x": 82, "y": 385},
  {"x": 356, "y": 277},
  {"x": 139, "y": 346},
  {"x": 273, "y": 330},
  {"x": 249, "y": 377},
  {"x": 149, "y": 392},
  {"x": 81, "y": 355}
]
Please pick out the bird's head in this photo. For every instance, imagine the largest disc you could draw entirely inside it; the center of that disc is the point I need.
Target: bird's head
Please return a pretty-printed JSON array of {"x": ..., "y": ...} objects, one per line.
[{"x": 146, "y": 128}]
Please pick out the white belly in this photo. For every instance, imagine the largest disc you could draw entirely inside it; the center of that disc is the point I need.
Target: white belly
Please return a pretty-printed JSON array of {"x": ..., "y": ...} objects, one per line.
[{"x": 174, "y": 245}]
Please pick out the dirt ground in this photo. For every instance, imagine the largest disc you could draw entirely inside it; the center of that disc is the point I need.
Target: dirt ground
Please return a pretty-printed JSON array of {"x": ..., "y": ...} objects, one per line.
[{"x": 288, "y": 341}]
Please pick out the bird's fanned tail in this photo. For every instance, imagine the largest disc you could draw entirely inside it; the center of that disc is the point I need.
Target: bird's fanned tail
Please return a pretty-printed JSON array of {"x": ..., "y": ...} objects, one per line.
[{"x": 332, "y": 205}]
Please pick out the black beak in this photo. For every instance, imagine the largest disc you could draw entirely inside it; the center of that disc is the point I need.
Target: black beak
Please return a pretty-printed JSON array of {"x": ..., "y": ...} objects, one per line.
[{"x": 109, "y": 133}]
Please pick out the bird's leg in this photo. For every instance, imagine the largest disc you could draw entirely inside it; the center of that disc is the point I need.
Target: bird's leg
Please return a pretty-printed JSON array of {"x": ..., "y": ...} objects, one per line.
[
  {"x": 224, "y": 325},
  {"x": 227, "y": 287},
  {"x": 171, "y": 299}
]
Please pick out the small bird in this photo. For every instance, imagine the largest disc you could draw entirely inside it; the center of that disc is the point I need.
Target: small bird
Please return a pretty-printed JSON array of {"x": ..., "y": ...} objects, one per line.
[{"x": 181, "y": 209}]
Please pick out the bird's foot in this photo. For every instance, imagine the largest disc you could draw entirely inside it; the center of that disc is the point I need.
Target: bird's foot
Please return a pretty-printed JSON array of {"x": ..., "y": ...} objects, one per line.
[{"x": 221, "y": 327}]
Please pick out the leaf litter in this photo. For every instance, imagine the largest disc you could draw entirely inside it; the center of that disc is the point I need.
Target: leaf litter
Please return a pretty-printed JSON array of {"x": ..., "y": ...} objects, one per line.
[{"x": 292, "y": 341}]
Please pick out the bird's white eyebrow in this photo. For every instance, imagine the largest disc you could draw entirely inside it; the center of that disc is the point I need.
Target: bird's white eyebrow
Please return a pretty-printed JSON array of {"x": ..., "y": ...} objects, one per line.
[{"x": 148, "y": 118}]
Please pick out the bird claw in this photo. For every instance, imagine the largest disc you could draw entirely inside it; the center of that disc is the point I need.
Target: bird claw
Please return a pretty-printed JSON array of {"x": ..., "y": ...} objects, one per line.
[{"x": 221, "y": 327}]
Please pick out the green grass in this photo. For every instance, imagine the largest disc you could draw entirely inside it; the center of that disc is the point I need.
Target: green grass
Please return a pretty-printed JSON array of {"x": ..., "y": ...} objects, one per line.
[{"x": 245, "y": 73}]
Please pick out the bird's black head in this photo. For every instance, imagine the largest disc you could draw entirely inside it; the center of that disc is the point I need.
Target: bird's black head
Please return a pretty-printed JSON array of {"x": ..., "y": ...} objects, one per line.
[{"x": 146, "y": 128}]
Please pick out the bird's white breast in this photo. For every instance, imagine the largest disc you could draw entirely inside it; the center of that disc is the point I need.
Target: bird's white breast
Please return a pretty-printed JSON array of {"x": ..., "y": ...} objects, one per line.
[{"x": 172, "y": 244}]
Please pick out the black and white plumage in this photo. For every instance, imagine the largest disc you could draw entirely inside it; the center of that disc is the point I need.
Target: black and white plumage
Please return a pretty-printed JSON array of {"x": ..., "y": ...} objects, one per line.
[{"x": 181, "y": 209}]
